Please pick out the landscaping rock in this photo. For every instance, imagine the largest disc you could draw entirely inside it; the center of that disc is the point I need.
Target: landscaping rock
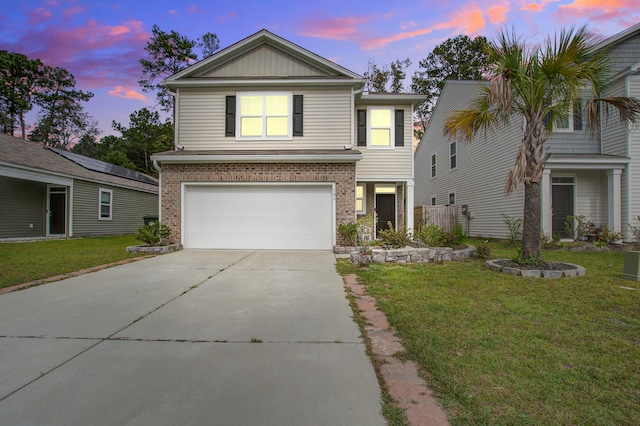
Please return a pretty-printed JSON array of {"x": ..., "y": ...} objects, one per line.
[
  {"x": 552, "y": 274},
  {"x": 531, "y": 273},
  {"x": 511, "y": 271},
  {"x": 154, "y": 249}
]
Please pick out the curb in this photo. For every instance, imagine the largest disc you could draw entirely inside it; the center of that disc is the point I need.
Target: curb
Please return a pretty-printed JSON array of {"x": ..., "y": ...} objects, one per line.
[
  {"x": 70, "y": 274},
  {"x": 401, "y": 380}
]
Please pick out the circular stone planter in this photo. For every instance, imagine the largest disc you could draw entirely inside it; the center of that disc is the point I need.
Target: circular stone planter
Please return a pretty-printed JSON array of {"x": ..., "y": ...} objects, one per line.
[
  {"x": 145, "y": 248},
  {"x": 562, "y": 270}
]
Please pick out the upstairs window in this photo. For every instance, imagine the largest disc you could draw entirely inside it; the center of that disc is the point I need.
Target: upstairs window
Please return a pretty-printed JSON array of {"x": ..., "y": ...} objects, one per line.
[
  {"x": 264, "y": 115},
  {"x": 381, "y": 126},
  {"x": 433, "y": 165},
  {"x": 453, "y": 155},
  {"x": 105, "y": 203}
]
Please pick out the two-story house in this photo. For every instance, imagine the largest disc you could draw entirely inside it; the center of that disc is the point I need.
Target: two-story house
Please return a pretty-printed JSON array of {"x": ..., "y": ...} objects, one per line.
[
  {"x": 277, "y": 146},
  {"x": 593, "y": 175}
]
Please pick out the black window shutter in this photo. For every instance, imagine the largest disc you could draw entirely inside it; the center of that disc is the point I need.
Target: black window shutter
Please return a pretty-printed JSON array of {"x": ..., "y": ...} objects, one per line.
[
  {"x": 230, "y": 116},
  {"x": 399, "y": 127},
  {"x": 577, "y": 115},
  {"x": 297, "y": 115},
  {"x": 362, "y": 127}
]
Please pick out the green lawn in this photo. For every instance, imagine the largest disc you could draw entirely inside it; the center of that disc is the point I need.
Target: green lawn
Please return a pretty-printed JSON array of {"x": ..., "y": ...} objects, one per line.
[
  {"x": 504, "y": 350},
  {"x": 22, "y": 262}
]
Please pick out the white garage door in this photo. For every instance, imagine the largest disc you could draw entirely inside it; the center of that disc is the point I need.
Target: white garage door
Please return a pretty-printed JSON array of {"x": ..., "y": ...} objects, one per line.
[{"x": 248, "y": 216}]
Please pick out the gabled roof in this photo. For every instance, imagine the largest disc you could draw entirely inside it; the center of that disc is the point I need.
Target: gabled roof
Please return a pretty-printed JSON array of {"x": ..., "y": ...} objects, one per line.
[
  {"x": 621, "y": 36},
  {"x": 203, "y": 72},
  {"x": 27, "y": 155}
]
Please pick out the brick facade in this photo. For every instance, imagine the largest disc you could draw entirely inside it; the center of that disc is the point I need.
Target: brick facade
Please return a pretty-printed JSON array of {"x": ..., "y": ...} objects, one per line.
[{"x": 173, "y": 175}]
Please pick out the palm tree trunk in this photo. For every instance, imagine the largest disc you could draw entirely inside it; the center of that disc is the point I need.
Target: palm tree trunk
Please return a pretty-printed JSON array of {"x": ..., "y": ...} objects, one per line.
[{"x": 531, "y": 221}]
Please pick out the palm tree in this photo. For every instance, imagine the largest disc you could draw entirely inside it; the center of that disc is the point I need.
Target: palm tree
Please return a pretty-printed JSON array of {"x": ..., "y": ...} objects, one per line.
[{"x": 539, "y": 85}]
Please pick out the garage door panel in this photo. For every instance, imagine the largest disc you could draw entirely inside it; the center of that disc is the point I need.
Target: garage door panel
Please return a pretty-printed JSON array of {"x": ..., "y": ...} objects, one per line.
[{"x": 259, "y": 216}]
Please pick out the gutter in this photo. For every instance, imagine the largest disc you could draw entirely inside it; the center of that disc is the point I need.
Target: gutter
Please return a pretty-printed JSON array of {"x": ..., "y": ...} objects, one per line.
[{"x": 157, "y": 167}]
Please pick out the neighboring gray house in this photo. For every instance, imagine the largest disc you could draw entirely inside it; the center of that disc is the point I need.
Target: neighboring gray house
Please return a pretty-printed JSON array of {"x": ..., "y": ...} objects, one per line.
[
  {"x": 52, "y": 192},
  {"x": 597, "y": 176},
  {"x": 277, "y": 146}
]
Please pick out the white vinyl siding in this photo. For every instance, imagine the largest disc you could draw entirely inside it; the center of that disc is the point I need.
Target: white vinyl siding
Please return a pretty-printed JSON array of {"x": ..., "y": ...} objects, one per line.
[
  {"x": 614, "y": 139},
  {"x": 201, "y": 121},
  {"x": 631, "y": 177}
]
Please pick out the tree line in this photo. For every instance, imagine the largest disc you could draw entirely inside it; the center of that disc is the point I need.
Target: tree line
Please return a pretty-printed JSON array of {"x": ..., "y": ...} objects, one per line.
[{"x": 62, "y": 121}]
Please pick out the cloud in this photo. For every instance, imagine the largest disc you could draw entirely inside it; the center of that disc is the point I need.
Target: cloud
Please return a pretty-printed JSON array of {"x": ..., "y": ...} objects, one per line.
[
  {"x": 226, "y": 17},
  {"x": 469, "y": 21},
  {"x": 74, "y": 11},
  {"x": 193, "y": 9},
  {"x": 536, "y": 7},
  {"x": 343, "y": 28},
  {"x": 123, "y": 92},
  {"x": 622, "y": 13},
  {"x": 497, "y": 13},
  {"x": 97, "y": 55},
  {"x": 173, "y": 12},
  {"x": 39, "y": 15}
]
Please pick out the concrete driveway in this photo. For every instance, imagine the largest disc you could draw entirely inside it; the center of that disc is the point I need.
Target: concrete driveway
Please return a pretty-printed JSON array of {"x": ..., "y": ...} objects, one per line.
[{"x": 192, "y": 337}]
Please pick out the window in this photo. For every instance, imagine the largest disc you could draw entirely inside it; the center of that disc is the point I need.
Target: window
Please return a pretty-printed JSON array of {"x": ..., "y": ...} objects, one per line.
[
  {"x": 434, "y": 201},
  {"x": 452, "y": 198},
  {"x": 453, "y": 155},
  {"x": 264, "y": 115},
  {"x": 433, "y": 165},
  {"x": 380, "y": 127},
  {"x": 361, "y": 206},
  {"x": 105, "y": 203},
  {"x": 564, "y": 124},
  {"x": 380, "y": 134}
]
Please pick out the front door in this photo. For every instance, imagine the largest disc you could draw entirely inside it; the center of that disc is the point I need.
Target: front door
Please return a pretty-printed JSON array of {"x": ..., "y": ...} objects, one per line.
[
  {"x": 57, "y": 211},
  {"x": 385, "y": 210},
  {"x": 562, "y": 204}
]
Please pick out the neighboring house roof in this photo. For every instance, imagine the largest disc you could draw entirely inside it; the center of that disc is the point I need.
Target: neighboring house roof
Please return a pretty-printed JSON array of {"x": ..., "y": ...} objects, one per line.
[
  {"x": 621, "y": 36},
  {"x": 203, "y": 72},
  {"x": 33, "y": 156}
]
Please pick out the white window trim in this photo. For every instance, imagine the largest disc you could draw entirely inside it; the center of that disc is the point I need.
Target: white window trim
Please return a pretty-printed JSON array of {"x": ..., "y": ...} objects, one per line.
[
  {"x": 392, "y": 133},
  {"x": 264, "y": 136},
  {"x": 456, "y": 155},
  {"x": 568, "y": 129},
  {"x": 455, "y": 198},
  {"x": 433, "y": 167},
  {"x": 364, "y": 198},
  {"x": 100, "y": 191}
]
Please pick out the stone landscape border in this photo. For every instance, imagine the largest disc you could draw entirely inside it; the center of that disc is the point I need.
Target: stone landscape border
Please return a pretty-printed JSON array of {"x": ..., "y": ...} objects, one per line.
[
  {"x": 576, "y": 271},
  {"x": 408, "y": 254},
  {"x": 145, "y": 248}
]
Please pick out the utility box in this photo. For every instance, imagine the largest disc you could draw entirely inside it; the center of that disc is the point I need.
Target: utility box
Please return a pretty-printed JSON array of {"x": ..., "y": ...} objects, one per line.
[
  {"x": 631, "y": 266},
  {"x": 150, "y": 219}
]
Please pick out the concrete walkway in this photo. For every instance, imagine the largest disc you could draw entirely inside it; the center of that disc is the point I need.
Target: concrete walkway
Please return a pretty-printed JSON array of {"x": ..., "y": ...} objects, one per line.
[{"x": 192, "y": 337}]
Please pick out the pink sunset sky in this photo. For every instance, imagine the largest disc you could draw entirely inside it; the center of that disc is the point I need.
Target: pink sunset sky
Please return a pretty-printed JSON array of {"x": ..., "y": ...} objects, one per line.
[{"x": 101, "y": 42}]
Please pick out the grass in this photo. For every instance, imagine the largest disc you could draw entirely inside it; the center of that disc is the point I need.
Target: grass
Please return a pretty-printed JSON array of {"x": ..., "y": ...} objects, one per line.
[
  {"x": 28, "y": 261},
  {"x": 505, "y": 350}
]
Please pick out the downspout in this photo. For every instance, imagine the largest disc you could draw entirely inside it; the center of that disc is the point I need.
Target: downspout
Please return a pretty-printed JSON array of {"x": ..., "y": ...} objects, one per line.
[
  {"x": 176, "y": 111},
  {"x": 157, "y": 167},
  {"x": 353, "y": 108}
]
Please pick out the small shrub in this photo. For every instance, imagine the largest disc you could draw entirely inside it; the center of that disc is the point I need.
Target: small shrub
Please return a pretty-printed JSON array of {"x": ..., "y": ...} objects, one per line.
[
  {"x": 392, "y": 238},
  {"x": 608, "y": 237},
  {"x": 349, "y": 232},
  {"x": 549, "y": 241},
  {"x": 514, "y": 226},
  {"x": 459, "y": 234},
  {"x": 483, "y": 251},
  {"x": 365, "y": 227},
  {"x": 576, "y": 227},
  {"x": 154, "y": 233},
  {"x": 431, "y": 235},
  {"x": 635, "y": 230}
]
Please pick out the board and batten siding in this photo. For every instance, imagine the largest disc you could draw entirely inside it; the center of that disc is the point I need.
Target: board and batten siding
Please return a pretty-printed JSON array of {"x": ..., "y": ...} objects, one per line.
[
  {"x": 201, "y": 118},
  {"x": 128, "y": 209},
  {"x": 386, "y": 164},
  {"x": 590, "y": 187},
  {"x": 482, "y": 167},
  {"x": 23, "y": 205}
]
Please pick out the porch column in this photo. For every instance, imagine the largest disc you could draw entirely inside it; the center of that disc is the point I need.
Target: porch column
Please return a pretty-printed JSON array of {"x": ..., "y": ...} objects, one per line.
[
  {"x": 409, "y": 205},
  {"x": 614, "y": 195},
  {"x": 545, "y": 202}
]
